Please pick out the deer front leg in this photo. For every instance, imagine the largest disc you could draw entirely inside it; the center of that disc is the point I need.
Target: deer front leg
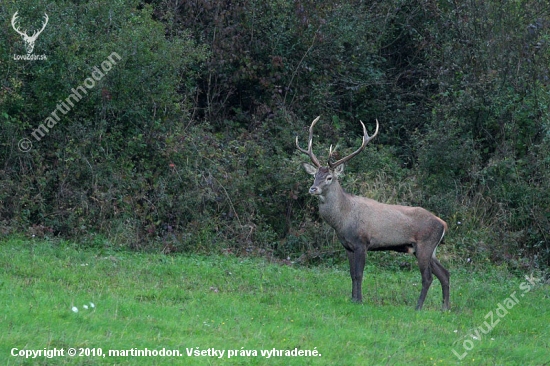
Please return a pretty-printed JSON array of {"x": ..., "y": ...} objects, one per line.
[{"x": 356, "y": 266}]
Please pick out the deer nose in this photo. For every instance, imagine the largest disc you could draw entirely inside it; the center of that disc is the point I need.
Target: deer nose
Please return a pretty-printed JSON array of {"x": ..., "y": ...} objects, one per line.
[{"x": 313, "y": 190}]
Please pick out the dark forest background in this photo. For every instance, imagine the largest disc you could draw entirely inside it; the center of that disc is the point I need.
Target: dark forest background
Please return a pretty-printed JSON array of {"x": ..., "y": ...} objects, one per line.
[{"x": 187, "y": 144}]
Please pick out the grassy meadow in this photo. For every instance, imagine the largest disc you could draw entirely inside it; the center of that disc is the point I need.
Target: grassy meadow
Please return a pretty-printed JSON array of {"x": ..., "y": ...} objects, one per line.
[{"x": 193, "y": 303}]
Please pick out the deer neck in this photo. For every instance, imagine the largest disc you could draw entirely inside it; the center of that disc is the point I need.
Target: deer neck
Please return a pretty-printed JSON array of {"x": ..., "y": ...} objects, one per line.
[{"x": 333, "y": 204}]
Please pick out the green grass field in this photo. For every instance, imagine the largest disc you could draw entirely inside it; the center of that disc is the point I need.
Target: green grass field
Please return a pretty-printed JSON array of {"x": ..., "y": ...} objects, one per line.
[{"x": 246, "y": 306}]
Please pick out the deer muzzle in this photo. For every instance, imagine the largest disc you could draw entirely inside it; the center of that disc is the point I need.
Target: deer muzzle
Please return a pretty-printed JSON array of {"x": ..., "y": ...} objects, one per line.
[{"x": 314, "y": 190}]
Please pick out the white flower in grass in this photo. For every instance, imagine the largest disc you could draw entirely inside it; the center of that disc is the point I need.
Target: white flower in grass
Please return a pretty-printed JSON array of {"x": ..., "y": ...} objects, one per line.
[{"x": 90, "y": 305}]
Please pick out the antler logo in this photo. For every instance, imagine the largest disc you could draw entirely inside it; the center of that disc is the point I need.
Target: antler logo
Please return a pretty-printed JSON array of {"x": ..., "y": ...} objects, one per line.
[{"x": 29, "y": 40}]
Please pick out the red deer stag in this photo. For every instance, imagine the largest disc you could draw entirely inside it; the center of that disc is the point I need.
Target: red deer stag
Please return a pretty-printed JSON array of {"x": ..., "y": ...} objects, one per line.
[{"x": 364, "y": 224}]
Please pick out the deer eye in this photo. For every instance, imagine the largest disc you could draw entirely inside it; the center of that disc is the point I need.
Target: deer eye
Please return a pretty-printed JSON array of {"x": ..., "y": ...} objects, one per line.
[{"x": 329, "y": 178}]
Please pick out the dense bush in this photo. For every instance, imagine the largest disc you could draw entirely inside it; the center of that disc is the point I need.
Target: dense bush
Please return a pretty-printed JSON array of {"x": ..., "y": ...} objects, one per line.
[
  {"x": 187, "y": 143},
  {"x": 487, "y": 139},
  {"x": 93, "y": 170}
]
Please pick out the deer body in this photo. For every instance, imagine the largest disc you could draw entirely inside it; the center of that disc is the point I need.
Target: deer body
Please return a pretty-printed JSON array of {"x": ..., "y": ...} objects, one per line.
[{"x": 363, "y": 224}]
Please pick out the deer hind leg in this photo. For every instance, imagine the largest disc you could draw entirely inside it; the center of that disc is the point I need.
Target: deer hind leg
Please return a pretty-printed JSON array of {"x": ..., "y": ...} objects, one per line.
[
  {"x": 444, "y": 277},
  {"x": 356, "y": 266},
  {"x": 428, "y": 264},
  {"x": 424, "y": 264}
]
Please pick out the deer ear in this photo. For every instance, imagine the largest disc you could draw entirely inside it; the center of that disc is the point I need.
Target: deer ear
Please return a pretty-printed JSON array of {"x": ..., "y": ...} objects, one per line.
[
  {"x": 310, "y": 169},
  {"x": 339, "y": 170}
]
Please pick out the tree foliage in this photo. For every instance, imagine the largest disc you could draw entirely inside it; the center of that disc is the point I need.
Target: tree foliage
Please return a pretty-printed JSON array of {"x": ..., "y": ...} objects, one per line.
[{"x": 187, "y": 143}]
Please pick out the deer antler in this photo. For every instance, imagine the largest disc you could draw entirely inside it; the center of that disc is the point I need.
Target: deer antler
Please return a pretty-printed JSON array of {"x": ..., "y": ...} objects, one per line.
[
  {"x": 309, "y": 152},
  {"x": 37, "y": 33},
  {"x": 366, "y": 139},
  {"x": 14, "y": 26}
]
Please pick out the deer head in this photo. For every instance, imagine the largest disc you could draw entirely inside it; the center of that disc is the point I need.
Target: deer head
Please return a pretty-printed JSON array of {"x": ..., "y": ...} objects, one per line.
[{"x": 29, "y": 40}]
